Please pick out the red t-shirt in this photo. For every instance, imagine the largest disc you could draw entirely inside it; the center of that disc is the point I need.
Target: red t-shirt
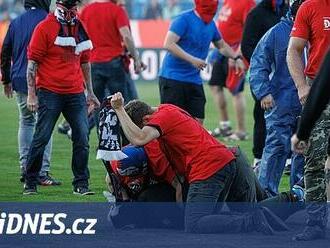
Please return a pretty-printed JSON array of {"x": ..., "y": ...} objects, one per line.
[
  {"x": 59, "y": 67},
  {"x": 193, "y": 152},
  {"x": 158, "y": 163},
  {"x": 313, "y": 24},
  {"x": 103, "y": 21},
  {"x": 232, "y": 18}
]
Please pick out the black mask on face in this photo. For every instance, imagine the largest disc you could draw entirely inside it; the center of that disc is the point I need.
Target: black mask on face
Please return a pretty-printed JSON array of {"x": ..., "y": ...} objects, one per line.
[{"x": 38, "y": 4}]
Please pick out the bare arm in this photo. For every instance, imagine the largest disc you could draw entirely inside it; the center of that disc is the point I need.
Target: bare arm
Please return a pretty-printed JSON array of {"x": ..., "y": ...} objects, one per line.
[
  {"x": 92, "y": 100},
  {"x": 133, "y": 133},
  {"x": 171, "y": 45},
  {"x": 128, "y": 41},
  {"x": 32, "y": 101},
  {"x": 178, "y": 189},
  {"x": 296, "y": 66}
]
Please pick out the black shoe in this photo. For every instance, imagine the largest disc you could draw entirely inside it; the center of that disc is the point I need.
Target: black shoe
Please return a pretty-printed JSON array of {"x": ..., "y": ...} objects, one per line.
[
  {"x": 63, "y": 128},
  {"x": 30, "y": 190},
  {"x": 82, "y": 191},
  {"x": 260, "y": 223},
  {"x": 274, "y": 221},
  {"x": 47, "y": 180},
  {"x": 287, "y": 170},
  {"x": 22, "y": 178},
  {"x": 310, "y": 233}
]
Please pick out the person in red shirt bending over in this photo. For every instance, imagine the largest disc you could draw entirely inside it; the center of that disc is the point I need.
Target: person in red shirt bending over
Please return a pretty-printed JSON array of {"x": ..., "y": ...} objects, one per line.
[
  {"x": 108, "y": 26},
  {"x": 207, "y": 166},
  {"x": 230, "y": 24},
  {"x": 312, "y": 28},
  {"x": 58, "y": 66}
]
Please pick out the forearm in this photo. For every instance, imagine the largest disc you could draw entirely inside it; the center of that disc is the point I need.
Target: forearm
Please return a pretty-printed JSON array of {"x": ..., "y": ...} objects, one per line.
[
  {"x": 86, "y": 69},
  {"x": 133, "y": 133},
  {"x": 31, "y": 76},
  {"x": 130, "y": 45},
  {"x": 296, "y": 67},
  {"x": 177, "y": 51},
  {"x": 225, "y": 49}
]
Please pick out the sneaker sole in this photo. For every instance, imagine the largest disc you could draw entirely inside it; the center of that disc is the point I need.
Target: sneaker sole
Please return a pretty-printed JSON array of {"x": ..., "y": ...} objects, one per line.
[
  {"x": 87, "y": 193},
  {"x": 30, "y": 193}
]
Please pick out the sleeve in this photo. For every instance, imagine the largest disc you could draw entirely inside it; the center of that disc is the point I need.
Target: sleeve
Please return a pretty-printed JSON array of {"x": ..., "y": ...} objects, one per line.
[
  {"x": 247, "y": 9},
  {"x": 250, "y": 36},
  {"x": 179, "y": 26},
  {"x": 261, "y": 65},
  {"x": 6, "y": 56},
  {"x": 158, "y": 162},
  {"x": 37, "y": 48},
  {"x": 301, "y": 27},
  {"x": 217, "y": 36},
  {"x": 160, "y": 121},
  {"x": 122, "y": 19},
  {"x": 317, "y": 101}
]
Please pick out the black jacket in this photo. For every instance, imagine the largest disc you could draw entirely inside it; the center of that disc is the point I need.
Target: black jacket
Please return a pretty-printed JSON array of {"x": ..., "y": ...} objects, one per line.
[{"x": 257, "y": 23}]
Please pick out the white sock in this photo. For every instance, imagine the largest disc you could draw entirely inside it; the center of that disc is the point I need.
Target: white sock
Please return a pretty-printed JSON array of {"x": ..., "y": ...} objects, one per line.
[
  {"x": 255, "y": 161},
  {"x": 224, "y": 124}
]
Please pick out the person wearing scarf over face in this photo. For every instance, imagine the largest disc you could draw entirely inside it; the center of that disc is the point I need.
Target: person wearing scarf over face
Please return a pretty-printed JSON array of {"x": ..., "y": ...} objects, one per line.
[
  {"x": 187, "y": 43},
  {"x": 58, "y": 73},
  {"x": 13, "y": 71}
]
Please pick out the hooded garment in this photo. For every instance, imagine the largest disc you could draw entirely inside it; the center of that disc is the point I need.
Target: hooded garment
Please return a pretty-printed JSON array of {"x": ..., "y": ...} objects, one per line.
[{"x": 38, "y": 4}]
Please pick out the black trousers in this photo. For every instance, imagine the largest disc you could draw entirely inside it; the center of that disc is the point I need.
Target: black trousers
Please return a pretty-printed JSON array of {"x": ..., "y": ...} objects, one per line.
[{"x": 259, "y": 129}]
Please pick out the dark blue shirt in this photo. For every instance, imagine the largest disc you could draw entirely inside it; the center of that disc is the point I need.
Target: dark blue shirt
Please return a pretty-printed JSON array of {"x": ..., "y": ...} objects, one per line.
[
  {"x": 195, "y": 39},
  {"x": 15, "y": 46}
]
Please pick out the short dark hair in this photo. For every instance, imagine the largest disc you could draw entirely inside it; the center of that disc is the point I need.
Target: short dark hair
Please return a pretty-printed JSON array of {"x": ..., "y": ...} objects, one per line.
[{"x": 136, "y": 110}]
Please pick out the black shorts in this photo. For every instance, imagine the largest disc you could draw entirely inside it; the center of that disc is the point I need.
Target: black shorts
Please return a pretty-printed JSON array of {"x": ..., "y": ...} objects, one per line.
[
  {"x": 188, "y": 96},
  {"x": 219, "y": 76},
  {"x": 219, "y": 73}
]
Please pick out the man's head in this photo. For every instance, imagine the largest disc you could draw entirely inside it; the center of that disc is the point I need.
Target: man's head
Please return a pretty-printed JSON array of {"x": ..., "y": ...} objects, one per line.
[
  {"x": 67, "y": 10},
  {"x": 38, "y": 4},
  {"x": 206, "y": 9},
  {"x": 138, "y": 111}
]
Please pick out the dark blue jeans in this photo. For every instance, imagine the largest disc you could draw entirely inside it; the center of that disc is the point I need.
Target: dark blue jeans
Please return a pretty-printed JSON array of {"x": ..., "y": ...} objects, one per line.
[
  {"x": 108, "y": 78},
  {"x": 201, "y": 214},
  {"x": 74, "y": 109}
]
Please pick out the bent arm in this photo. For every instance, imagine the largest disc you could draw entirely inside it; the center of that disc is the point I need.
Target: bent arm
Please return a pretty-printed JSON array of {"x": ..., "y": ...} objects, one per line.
[
  {"x": 6, "y": 58},
  {"x": 133, "y": 133},
  {"x": 225, "y": 49},
  {"x": 31, "y": 74},
  {"x": 171, "y": 45}
]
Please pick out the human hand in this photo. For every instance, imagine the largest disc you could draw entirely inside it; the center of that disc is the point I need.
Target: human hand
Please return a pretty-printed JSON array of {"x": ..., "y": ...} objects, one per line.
[
  {"x": 303, "y": 92},
  {"x": 8, "y": 90},
  {"x": 32, "y": 102},
  {"x": 297, "y": 145},
  {"x": 239, "y": 66},
  {"x": 199, "y": 64},
  {"x": 92, "y": 102},
  {"x": 139, "y": 66},
  {"x": 267, "y": 102},
  {"x": 117, "y": 101}
]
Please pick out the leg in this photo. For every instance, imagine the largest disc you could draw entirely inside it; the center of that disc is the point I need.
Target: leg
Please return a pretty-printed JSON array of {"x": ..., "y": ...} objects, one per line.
[
  {"x": 240, "y": 109},
  {"x": 131, "y": 91},
  {"x": 75, "y": 112},
  {"x": 25, "y": 131},
  {"x": 195, "y": 101},
  {"x": 220, "y": 102},
  {"x": 172, "y": 92},
  {"x": 50, "y": 105},
  {"x": 327, "y": 176},
  {"x": 202, "y": 200},
  {"x": 259, "y": 130},
  {"x": 99, "y": 90},
  {"x": 314, "y": 171},
  {"x": 276, "y": 149},
  {"x": 297, "y": 168}
]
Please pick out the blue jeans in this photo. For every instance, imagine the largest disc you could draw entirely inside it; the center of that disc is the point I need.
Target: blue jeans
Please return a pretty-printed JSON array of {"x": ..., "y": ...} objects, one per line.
[
  {"x": 108, "y": 78},
  {"x": 202, "y": 207},
  {"x": 74, "y": 109},
  {"x": 27, "y": 122},
  {"x": 132, "y": 93}
]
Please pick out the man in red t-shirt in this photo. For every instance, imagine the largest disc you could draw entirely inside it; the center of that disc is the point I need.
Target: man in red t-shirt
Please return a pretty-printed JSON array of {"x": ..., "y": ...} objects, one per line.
[
  {"x": 207, "y": 166},
  {"x": 109, "y": 29},
  {"x": 312, "y": 29},
  {"x": 58, "y": 67},
  {"x": 230, "y": 24}
]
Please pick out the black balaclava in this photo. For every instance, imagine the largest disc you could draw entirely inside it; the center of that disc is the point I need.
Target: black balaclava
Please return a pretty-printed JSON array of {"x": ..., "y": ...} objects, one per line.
[{"x": 38, "y": 4}]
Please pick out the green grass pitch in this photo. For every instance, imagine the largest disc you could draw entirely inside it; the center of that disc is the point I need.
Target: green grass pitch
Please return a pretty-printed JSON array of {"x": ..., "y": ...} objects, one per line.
[{"x": 11, "y": 188}]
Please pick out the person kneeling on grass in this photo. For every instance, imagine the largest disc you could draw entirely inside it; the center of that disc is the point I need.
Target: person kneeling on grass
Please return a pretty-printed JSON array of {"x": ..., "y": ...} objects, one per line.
[{"x": 208, "y": 166}]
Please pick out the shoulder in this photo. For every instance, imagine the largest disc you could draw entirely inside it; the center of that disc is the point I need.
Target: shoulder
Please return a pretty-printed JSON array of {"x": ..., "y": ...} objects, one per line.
[{"x": 48, "y": 24}]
